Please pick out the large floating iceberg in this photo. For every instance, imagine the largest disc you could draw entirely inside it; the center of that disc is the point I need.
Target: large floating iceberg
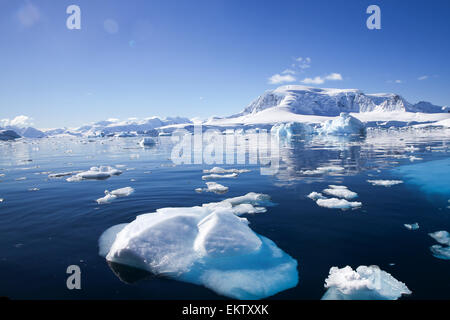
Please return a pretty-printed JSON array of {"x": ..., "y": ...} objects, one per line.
[
  {"x": 364, "y": 283},
  {"x": 345, "y": 124},
  {"x": 206, "y": 245}
]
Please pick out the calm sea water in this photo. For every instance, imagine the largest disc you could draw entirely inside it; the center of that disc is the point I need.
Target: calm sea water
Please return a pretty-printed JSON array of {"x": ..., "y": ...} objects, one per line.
[{"x": 44, "y": 231}]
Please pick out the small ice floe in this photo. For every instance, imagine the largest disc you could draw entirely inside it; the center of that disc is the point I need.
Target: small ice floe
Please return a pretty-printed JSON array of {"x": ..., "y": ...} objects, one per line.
[
  {"x": 1, "y": 200},
  {"x": 21, "y": 179},
  {"x": 414, "y": 158},
  {"x": 384, "y": 183},
  {"x": 213, "y": 187},
  {"x": 96, "y": 173},
  {"x": 219, "y": 176},
  {"x": 411, "y": 149},
  {"x": 206, "y": 245},
  {"x": 413, "y": 226},
  {"x": 315, "y": 195},
  {"x": 120, "y": 166},
  {"x": 219, "y": 170},
  {"x": 62, "y": 174},
  {"x": 340, "y": 192},
  {"x": 438, "y": 251},
  {"x": 322, "y": 170},
  {"x": 147, "y": 142},
  {"x": 33, "y": 189},
  {"x": 113, "y": 195},
  {"x": 443, "y": 237},
  {"x": 364, "y": 283},
  {"x": 335, "y": 203}
]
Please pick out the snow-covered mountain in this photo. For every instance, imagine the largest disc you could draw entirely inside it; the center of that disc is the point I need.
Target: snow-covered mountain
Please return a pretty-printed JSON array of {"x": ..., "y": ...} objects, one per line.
[
  {"x": 27, "y": 132},
  {"x": 331, "y": 102},
  {"x": 123, "y": 128}
]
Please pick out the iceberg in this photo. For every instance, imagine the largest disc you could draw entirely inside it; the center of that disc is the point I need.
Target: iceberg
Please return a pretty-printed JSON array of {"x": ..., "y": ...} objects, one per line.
[
  {"x": 322, "y": 170},
  {"x": 345, "y": 124},
  {"x": 213, "y": 187},
  {"x": 364, "y": 283},
  {"x": 335, "y": 203},
  {"x": 206, "y": 245},
  {"x": 340, "y": 192},
  {"x": 218, "y": 176},
  {"x": 413, "y": 226},
  {"x": 315, "y": 196},
  {"x": 287, "y": 130},
  {"x": 96, "y": 173},
  {"x": 384, "y": 183},
  {"x": 443, "y": 237},
  {"x": 218, "y": 170},
  {"x": 438, "y": 251},
  {"x": 112, "y": 195}
]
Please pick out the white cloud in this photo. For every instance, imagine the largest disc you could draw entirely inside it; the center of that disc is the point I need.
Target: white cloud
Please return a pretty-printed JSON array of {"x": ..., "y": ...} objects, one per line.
[
  {"x": 19, "y": 121},
  {"x": 303, "y": 63},
  {"x": 321, "y": 80},
  {"x": 422, "y": 78},
  {"x": 28, "y": 15},
  {"x": 278, "y": 78},
  {"x": 316, "y": 80},
  {"x": 289, "y": 71},
  {"x": 398, "y": 81},
  {"x": 334, "y": 77}
]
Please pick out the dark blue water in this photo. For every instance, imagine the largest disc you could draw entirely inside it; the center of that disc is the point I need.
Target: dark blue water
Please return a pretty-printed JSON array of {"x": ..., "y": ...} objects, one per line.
[{"x": 44, "y": 231}]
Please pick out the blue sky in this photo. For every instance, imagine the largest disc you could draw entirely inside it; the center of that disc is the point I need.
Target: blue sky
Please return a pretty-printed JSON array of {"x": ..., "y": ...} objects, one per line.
[{"x": 200, "y": 58}]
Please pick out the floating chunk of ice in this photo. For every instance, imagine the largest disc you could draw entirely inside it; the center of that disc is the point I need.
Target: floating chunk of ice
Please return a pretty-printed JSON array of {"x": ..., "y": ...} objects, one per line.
[
  {"x": 110, "y": 196},
  {"x": 384, "y": 183},
  {"x": 414, "y": 158},
  {"x": 443, "y": 237},
  {"x": 440, "y": 252},
  {"x": 315, "y": 195},
  {"x": 213, "y": 187},
  {"x": 365, "y": 283},
  {"x": 96, "y": 173},
  {"x": 413, "y": 226},
  {"x": 222, "y": 170},
  {"x": 21, "y": 179},
  {"x": 1, "y": 200},
  {"x": 63, "y": 174},
  {"x": 205, "y": 245},
  {"x": 219, "y": 176},
  {"x": 335, "y": 203},
  {"x": 341, "y": 192},
  {"x": 345, "y": 124},
  {"x": 287, "y": 130}
]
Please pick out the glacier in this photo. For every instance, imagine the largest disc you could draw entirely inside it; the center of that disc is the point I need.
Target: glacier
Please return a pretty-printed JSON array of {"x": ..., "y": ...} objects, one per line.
[{"x": 206, "y": 245}]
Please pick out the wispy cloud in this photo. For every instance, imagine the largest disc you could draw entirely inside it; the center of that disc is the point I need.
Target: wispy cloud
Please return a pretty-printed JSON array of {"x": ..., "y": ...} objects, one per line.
[
  {"x": 321, "y": 80},
  {"x": 302, "y": 63},
  {"x": 28, "y": 15},
  {"x": 423, "y": 78},
  {"x": 278, "y": 79}
]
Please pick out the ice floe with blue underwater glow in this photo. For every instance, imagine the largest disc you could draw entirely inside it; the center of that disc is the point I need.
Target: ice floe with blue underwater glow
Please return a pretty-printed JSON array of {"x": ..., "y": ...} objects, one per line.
[
  {"x": 113, "y": 195},
  {"x": 364, "y": 283},
  {"x": 412, "y": 226},
  {"x": 206, "y": 245},
  {"x": 95, "y": 173},
  {"x": 432, "y": 177},
  {"x": 441, "y": 252}
]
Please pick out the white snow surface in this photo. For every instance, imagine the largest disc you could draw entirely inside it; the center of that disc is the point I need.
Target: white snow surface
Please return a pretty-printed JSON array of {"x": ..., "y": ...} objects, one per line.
[
  {"x": 364, "y": 283},
  {"x": 340, "y": 192},
  {"x": 206, "y": 245}
]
